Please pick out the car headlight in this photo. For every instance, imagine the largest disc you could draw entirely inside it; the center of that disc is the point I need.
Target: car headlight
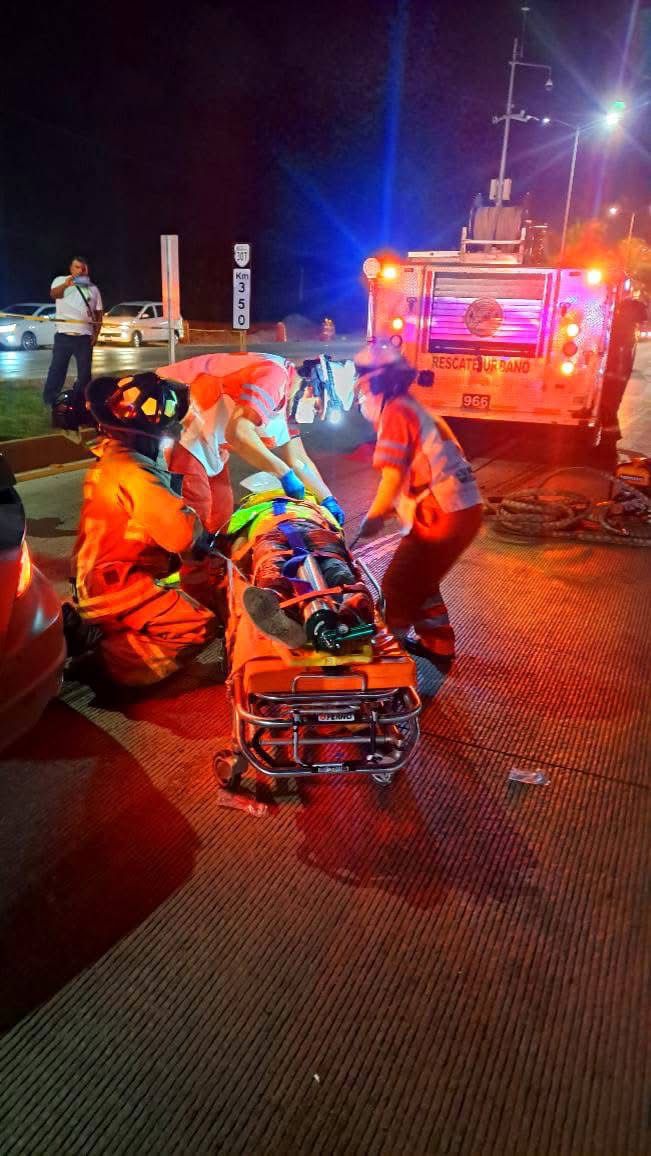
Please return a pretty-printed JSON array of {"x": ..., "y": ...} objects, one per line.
[{"x": 7, "y": 328}]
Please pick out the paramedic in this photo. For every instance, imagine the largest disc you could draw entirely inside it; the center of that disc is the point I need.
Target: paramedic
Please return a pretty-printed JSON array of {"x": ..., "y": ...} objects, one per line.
[
  {"x": 240, "y": 401},
  {"x": 427, "y": 481}
]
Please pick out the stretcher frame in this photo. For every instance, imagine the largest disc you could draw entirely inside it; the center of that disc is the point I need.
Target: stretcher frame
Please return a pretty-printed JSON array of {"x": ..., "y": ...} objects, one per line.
[{"x": 274, "y": 730}]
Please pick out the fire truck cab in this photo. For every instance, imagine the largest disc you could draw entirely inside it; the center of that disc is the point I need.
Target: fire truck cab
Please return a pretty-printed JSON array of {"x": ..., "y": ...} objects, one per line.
[{"x": 494, "y": 337}]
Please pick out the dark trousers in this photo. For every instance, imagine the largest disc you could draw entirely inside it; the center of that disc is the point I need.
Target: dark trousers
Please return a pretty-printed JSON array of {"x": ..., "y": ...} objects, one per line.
[{"x": 66, "y": 346}]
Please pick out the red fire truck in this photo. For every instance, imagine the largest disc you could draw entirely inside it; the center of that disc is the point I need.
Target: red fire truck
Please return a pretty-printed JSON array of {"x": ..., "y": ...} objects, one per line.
[{"x": 495, "y": 336}]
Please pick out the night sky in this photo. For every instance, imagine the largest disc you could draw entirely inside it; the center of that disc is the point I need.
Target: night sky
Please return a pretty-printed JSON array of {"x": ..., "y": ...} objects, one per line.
[{"x": 319, "y": 137}]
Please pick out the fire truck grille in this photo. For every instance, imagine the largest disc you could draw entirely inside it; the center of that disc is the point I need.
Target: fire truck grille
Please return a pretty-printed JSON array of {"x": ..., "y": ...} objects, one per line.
[{"x": 490, "y": 312}]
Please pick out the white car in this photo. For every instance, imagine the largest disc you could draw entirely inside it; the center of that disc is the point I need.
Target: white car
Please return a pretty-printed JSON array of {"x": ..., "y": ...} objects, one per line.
[
  {"x": 136, "y": 323},
  {"x": 27, "y": 334}
]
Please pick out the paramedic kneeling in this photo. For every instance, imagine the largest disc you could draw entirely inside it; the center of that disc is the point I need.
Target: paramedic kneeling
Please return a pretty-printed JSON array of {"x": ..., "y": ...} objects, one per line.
[{"x": 427, "y": 481}]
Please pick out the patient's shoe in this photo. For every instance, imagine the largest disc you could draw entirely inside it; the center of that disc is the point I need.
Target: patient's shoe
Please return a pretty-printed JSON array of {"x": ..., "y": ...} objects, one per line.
[{"x": 263, "y": 608}]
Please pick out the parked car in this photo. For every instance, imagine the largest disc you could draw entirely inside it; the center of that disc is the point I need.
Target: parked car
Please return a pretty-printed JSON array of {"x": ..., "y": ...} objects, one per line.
[
  {"x": 26, "y": 334},
  {"x": 136, "y": 323},
  {"x": 32, "y": 646}
]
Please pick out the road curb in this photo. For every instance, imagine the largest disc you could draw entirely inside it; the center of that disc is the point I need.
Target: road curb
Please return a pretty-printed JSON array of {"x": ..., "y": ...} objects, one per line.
[{"x": 36, "y": 457}]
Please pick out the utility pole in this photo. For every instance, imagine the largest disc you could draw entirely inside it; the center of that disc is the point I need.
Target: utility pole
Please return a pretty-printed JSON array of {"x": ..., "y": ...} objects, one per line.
[
  {"x": 570, "y": 189},
  {"x": 507, "y": 123}
]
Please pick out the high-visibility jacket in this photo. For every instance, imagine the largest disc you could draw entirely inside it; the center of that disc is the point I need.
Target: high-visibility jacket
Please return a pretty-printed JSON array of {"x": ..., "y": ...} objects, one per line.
[
  {"x": 260, "y": 383},
  {"x": 131, "y": 523},
  {"x": 437, "y": 476}
]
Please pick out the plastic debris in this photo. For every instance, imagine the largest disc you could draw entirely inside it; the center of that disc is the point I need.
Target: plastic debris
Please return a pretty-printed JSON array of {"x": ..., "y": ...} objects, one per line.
[
  {"x": 316, "y": 1077},
  {"x": 533, "y": 778},
  {"x": 239, "y": 802}
]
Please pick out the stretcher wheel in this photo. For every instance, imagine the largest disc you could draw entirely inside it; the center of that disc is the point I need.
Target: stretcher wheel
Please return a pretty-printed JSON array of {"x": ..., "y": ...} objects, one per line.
[
  {"x": 227, "y": 774},
  {"x": 383, "y": 778}
]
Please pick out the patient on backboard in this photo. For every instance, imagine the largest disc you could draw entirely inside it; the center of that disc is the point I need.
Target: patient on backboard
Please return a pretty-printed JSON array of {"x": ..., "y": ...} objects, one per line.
[{"x": 303, "y": 590}]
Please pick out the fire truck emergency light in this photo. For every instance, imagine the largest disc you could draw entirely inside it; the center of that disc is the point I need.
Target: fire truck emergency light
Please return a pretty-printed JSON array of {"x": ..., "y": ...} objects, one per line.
[
  {"x": 389, "y": 273},
  {"x": 594, "y": 276},
  {"x": 567, "y": 368},
  {"x": 397, "y": 323},
  {"x": 572, "y": 329}
]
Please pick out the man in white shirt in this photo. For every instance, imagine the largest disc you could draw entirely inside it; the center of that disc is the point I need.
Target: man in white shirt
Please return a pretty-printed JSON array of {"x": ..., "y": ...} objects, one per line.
[{"x": 78, "y": 321}]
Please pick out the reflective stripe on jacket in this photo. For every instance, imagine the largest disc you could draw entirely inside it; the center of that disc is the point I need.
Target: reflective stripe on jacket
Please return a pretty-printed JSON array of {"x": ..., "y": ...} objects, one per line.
[{"x": 130, "y": 526}]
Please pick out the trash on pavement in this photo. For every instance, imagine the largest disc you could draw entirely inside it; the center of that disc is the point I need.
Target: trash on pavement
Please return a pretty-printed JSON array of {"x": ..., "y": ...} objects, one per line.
[{"x": 533, "y": 778}]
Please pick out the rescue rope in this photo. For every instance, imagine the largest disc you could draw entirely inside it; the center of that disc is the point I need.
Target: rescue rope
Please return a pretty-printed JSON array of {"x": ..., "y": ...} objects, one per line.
[{"x": 623, "y": 518}]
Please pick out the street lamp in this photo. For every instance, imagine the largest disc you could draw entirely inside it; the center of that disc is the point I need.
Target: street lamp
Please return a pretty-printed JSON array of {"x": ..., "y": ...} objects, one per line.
[
  {"x": 613, "y": 211},
  {"x": 611, "y": 120},
  {"x": 516, "y": 61}
]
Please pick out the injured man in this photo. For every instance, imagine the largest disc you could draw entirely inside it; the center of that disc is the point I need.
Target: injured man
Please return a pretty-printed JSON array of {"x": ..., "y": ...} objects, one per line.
[{"x": 302, "y": 587}]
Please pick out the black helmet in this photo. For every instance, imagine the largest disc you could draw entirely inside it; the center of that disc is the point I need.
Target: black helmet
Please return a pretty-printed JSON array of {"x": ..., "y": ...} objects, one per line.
[
  {"x": 141, "y": 404},
  {"x": 385, "y": 370},
  {"x": 69, "y": 410}
]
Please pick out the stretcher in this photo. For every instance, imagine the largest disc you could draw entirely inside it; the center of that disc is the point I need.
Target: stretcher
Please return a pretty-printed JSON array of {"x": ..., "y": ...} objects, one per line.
[{"x": 344, "y": 701}]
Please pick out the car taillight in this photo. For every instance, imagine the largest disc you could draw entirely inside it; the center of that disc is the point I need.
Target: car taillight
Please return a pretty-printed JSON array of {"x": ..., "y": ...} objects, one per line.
[{"x": 25, "y": 572}]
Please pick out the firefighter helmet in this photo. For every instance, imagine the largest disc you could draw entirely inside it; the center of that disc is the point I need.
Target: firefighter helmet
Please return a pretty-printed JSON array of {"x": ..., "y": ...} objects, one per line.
[
  {"x": 384, "y": 370},
  {"x": 143, "y": 403}
]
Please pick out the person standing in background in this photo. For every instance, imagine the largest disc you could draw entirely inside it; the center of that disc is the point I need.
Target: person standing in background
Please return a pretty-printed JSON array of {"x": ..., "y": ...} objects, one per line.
[{"x": 78, "y": 321}]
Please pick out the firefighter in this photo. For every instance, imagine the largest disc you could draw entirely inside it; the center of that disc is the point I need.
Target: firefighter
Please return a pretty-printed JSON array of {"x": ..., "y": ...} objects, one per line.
[
  {"x": 132, "y": 528},
  {"x": 629, "y": 315},
  {"x": 427, "y": 481},
  {"x": 239, "y": 402}
]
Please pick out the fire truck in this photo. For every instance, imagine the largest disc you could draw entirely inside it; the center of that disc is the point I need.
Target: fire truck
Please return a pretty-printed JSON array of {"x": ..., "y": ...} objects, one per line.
[{"x": 495, "y": 335}]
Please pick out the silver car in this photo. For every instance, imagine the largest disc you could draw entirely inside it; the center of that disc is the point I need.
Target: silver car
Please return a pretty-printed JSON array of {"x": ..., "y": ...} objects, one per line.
[
  {"x": 136, "y": 323},
  {"x": 33, "y": 325}
]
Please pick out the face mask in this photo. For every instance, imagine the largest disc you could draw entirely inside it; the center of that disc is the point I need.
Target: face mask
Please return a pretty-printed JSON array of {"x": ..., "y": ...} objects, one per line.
[
  {"x": 276, "y": 428},
  {"x": 370, "y": 405}
]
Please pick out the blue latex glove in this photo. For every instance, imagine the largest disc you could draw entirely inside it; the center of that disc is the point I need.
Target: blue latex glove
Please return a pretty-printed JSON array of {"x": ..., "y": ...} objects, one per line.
[
  {"x": 332, "y": 506},
  {"x": 292, "y": 485}
]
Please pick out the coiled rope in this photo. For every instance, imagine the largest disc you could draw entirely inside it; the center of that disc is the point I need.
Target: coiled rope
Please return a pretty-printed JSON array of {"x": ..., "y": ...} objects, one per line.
[{"x": 623, "y": 518}]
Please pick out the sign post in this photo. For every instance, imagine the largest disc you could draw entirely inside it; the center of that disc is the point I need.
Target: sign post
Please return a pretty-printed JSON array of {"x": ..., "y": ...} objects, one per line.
[
  {"x": 169, "y": 259},
  {"x": 371, "y": 269},
  {"x": 242, "y": 292}
]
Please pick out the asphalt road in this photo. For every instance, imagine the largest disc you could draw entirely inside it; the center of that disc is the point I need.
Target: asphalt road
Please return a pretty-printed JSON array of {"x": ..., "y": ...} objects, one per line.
[
  {"x": 23, "y": 367},
  {"x": 455, "y": 965}
]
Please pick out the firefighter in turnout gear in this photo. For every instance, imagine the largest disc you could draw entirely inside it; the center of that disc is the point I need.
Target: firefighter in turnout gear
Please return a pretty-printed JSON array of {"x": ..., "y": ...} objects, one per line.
[
  {"x": 133, "y": 527},
  {"x": 428, "y": 483}
]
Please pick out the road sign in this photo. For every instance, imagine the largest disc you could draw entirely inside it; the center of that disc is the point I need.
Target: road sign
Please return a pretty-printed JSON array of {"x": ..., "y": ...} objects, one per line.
[
  {"x": 241, "y": 299},
  {"x": 242, "y": 255},
  {"x": 169, "y": 259}
]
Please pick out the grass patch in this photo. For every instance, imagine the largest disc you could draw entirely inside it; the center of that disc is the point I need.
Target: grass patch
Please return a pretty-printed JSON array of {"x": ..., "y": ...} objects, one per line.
[{"x": 22, "y": 413}]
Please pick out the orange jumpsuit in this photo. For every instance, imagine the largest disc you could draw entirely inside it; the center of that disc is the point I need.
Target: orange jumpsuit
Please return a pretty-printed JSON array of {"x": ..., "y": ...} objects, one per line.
[{"x": 131, "y": 526}]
